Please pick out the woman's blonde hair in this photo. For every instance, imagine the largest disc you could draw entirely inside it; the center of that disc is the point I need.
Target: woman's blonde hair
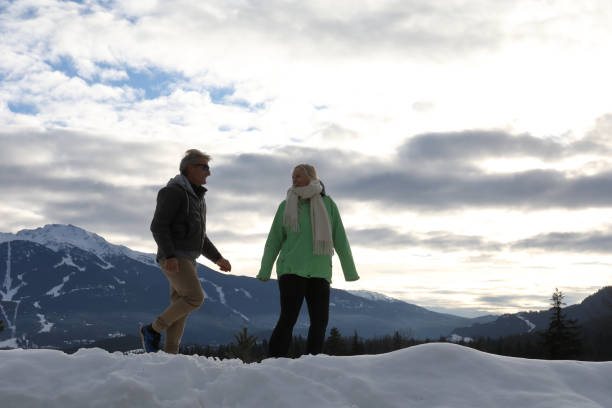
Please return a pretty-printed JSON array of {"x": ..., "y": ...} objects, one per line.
[{"x": 310, "y": 170}]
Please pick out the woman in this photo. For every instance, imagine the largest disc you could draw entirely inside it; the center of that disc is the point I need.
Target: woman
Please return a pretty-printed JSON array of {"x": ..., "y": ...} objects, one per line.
[{"x": 306, "y": 230}]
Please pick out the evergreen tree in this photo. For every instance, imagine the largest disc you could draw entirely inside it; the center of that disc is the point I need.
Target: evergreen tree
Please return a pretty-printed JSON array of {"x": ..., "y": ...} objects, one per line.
[
  {"x": 243, "y": 347},
  {"x": 297, "y": 347},
  {"x": 398, "y": 341},
  {"x": 1, "y": 325},
  {"x": 334, "y": 345},
  {"x": 562, "y": 339},
  {"x": 357, "y": 346}
]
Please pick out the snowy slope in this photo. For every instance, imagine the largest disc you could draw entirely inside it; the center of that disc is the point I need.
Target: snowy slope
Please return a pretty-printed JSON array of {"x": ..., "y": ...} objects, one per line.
[
  {"x": 430, "y": 375},
  {"x": 366, "y": 294}
]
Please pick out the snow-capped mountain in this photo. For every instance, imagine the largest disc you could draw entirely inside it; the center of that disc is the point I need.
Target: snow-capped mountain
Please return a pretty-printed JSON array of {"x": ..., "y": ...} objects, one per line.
[
  {"x": 58, "y": 236},
  {"x": 63, "y": 286}
]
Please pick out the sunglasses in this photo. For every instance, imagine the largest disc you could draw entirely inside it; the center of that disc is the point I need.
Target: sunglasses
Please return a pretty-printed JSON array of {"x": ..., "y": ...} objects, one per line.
[{"x": 204, "y": 167}]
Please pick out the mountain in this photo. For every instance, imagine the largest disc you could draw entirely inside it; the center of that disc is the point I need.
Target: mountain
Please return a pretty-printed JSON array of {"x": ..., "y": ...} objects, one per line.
[
  {"x": 62, "y": 286},
  {"x": 596, "y": 307}
]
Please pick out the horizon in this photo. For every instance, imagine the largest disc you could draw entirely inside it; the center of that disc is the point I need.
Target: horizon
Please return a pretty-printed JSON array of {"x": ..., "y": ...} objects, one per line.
[
  {"x": 467, "y": 144},
  {"x": 458, "y": 312}
]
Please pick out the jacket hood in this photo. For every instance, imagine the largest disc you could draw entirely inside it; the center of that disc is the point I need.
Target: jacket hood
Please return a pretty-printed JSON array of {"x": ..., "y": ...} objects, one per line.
[{"x": 184, "y": 183}]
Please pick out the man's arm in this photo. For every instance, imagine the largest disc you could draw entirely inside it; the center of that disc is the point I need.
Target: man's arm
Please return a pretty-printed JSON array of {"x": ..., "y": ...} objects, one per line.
[
  {"x": 211, "y": 252},
  {"x": 168, "y": 203}
]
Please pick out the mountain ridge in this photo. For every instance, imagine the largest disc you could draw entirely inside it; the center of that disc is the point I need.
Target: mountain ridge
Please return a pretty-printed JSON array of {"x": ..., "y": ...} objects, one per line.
[
  {"x": 61, "y": 285},
  {"x": 50, "y": 275},
  {"x": 595, "y": 306}
]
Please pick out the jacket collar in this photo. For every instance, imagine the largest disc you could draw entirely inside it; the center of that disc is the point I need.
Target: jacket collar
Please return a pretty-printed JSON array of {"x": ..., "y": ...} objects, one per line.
[{"x": 184, "y": 183}]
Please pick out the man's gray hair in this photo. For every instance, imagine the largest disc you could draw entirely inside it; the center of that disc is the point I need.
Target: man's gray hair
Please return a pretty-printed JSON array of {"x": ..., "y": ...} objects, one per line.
[{"x": 191, "y": 157}]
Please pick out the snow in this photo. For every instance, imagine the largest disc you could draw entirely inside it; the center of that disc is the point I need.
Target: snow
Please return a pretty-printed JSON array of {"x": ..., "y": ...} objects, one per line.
[
  {"x": 455, "y": 338},
  {"x": 9, "y": 321},
  {"x": 366, "y": 294},
  {"x": 56, "y": 290},
  {"x": 219, "y": 290},
  {"x": 67, "y": 260},
  {"x": 222, "y": 300},
  {"x": 9, "y": 343},
  {"x": 7, "y": 290},
  {"x": 244, "y": 291},
  {"x": 530, "y": 326},
  {"x": 245, "y": 318},
  {"x": 430, "y": 375},
  {"x": 119, "y": 281},
  {"x": 106, "y": 266},
  {"x": 45, "y": 325}
]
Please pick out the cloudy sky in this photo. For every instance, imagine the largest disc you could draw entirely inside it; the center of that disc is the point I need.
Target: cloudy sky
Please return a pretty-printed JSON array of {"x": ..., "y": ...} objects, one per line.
[{"x": 467, "y": 143}]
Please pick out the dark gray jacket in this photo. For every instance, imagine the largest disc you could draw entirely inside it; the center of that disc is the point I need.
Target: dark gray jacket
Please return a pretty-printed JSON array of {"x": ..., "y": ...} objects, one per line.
[{"x": 179, "y": 223}]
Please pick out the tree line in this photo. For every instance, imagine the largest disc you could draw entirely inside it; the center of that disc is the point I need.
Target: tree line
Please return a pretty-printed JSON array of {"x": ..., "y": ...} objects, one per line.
[{"x": 563, "y": 339}]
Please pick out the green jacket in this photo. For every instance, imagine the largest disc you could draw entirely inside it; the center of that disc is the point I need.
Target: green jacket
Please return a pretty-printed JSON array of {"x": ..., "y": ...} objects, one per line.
[{"x": 296, "y": 256}]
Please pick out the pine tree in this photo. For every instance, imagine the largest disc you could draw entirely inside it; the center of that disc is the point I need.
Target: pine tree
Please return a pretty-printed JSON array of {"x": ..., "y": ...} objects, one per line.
[
  {"x": 243, "y": 347},
  {"x": 562, "y": 339},
  {"x": 334, "y": 345},
  {"x": 297, "y": 347},
  {"x": 357, "y": 346}
]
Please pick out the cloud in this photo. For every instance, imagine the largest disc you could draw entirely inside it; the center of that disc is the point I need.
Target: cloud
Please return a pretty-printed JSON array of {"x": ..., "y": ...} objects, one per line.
[
  {"x": 568, "y": 242},
  {"x": 518, "y": 301},
  {"x": 82, "y": 179},
  {"x": 438, "y": 171},
  {"x": 437, "y": 240},
  {"x": 80, "y": 176},
  {"x": 470, "y": 145}
]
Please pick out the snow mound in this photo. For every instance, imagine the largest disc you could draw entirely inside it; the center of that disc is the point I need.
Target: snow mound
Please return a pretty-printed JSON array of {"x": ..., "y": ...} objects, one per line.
[{"x": 430, "y": 375}]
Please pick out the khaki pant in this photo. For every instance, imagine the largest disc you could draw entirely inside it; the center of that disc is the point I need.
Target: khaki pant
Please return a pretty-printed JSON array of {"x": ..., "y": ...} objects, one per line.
[{"x": 186, "y": 295}]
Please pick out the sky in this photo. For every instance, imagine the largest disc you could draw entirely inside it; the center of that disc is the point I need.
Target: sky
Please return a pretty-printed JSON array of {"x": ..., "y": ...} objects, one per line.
[
  {"x": 466, "y": 143},
  {"x": 428, "y": 375}
]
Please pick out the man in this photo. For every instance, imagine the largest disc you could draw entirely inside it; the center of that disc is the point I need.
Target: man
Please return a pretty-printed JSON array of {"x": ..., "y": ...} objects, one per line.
[{"x": 179, "y": 229}]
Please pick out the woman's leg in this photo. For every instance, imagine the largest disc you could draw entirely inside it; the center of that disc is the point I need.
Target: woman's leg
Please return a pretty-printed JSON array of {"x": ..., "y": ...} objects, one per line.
[
  {"x": 317, "y": 300},
  {"x": 291, "y": 289}
]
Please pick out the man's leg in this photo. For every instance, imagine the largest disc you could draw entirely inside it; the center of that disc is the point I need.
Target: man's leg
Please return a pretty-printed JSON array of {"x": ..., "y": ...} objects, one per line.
[
  {"x": 291, "y": 290},
  {"x": 317, "y": 300},
  {"x": 174, "y": 332},
  {"x": 189, "y": 297}
]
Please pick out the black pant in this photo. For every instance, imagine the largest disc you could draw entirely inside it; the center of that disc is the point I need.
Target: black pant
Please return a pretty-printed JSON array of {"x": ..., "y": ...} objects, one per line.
[{"x": 293, "y": 290}]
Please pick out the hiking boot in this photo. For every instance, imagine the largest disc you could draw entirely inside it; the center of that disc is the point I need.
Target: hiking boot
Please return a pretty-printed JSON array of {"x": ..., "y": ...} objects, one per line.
[{"x": 150, "y": 339}]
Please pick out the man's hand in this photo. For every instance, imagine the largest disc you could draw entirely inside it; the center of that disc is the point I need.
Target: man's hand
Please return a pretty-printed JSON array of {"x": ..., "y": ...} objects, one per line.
[
  {"x": 171, "y": 266},
  {"x": 224, "y": 264}
]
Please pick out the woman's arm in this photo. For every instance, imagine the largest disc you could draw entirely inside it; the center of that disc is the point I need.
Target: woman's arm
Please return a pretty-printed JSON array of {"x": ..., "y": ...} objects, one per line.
[
  {"x": 273, "y": 244},
  {"x": 341, "y": 244}
]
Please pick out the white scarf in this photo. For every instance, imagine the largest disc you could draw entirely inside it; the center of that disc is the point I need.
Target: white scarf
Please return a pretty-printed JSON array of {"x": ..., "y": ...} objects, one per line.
[{"x": 319, "y": 219}]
